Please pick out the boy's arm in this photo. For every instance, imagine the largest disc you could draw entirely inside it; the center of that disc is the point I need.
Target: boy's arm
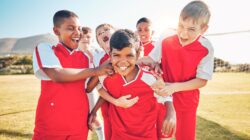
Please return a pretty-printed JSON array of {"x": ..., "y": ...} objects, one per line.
[
  {"x": 123, "y": 101},
  {"x": 92, "y": 83},
  {"x": 70, "y": 74},
  {"x": 171, "y": 88},
  {"x": 92, "y": 115},
  {"x": 48, "y": 67},
  {"x": 169, "y": 123}
]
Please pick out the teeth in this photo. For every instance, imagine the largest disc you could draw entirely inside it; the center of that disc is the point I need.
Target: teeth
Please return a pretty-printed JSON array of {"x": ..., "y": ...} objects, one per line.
[
  {"x": 123, "y": 68},
  {"x": 75, "y": 39}
]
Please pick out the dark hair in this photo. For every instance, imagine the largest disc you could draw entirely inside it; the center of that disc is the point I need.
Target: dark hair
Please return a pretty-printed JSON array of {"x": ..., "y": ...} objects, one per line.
[
  {"x": 61, "y": 15},
  {"x": 144, "y": 19},
  {"x": 86, "y": 30},
  {"x": 123, "y": 38}
]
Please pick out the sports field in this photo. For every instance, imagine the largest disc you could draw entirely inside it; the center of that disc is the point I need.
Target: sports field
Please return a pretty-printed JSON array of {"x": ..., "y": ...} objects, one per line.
[{"x": 224, "y": 111}]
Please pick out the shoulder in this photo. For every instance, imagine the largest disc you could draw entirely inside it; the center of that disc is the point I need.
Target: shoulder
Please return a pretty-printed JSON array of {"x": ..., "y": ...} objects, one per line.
[
  {"x": 206, "y": 43},
  {"x": 44, "y": 45},
  {"x": 147, "y": 77},
  {"x": 164, "y": 35}
]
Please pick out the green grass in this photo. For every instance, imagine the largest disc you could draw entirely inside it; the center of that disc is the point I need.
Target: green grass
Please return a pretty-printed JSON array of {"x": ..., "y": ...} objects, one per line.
[{"x": 220, "y": 116}]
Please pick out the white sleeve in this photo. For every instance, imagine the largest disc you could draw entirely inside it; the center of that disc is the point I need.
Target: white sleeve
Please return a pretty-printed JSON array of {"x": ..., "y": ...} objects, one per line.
[
  {"x": 156, "y": 53},
  {"x": 206, "y": 65},
  {"x": 44, "y": 57},
  {"x": 149, "y": 79}
]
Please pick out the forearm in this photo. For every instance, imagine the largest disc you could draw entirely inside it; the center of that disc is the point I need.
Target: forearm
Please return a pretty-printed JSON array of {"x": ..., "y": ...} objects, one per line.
[
  {"x": 105, "y": 95},
  {"x": 68, "y": 74},
  {"x": 98, "y": 104},
  {"x": 93, "y": 81},
  {"x": 170, "y": 108},
  {"x": 189, "y": 85}
]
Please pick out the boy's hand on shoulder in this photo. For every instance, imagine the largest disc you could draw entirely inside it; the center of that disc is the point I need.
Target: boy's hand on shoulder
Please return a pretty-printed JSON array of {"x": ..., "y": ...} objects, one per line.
[
  {"x": 104, "y": 69},
  {"x": 125, "y": 102}
]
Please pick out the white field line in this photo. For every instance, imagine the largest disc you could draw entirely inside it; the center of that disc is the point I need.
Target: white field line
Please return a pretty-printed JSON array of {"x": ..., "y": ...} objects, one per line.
[{"x": 225, "y": 92}]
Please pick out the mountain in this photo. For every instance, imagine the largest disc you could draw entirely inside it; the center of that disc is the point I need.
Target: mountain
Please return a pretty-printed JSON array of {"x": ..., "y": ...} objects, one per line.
[{"x": 10, "y": 46}]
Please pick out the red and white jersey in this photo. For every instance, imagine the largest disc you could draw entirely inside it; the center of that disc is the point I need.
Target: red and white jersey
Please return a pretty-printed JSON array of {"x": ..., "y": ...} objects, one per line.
[
  {"x": 148, "y": 47},
  {"x": 180, "y": 64},
  {"x": 62, "y": 107},
  {"x": 139, "y": 121}
]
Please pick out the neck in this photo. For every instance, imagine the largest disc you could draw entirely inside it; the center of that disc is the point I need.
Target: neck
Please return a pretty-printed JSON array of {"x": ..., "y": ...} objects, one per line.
[
  {"x": 132, "y": 75},
  {"x": 146, "y": 43},
  {"x": 70, "y": 49}
]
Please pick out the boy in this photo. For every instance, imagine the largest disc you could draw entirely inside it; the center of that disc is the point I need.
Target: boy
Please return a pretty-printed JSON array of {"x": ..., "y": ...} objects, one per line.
[
  {"x": 103, "y": 35},
  {"x": 166, "y": 122},
  {"x": 62, "y": 108},
  {"x": 91, "y": 52},
  {"x": 138, "y": 121},
  {"x": 145, "y": 32},
  {"x": 187, "y": 63}
]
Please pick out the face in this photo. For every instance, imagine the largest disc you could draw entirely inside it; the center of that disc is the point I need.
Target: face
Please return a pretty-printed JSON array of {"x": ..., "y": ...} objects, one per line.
[
  {"x": 124, "y": 60},
  {"x": 69, "y": 32},
  {"x": 188, "y": 31},
  {"x": 86, "y": 41},
  {"x": 145, "y": 32},
  {"x": 103, "y": 35}
]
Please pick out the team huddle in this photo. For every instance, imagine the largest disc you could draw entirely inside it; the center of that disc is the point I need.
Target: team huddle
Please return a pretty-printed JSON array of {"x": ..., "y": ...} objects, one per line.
[{"x": 147, "y": 90}]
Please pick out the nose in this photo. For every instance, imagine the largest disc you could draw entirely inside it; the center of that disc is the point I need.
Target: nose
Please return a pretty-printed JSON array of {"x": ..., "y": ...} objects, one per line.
[{"x": 183, "y": 34}]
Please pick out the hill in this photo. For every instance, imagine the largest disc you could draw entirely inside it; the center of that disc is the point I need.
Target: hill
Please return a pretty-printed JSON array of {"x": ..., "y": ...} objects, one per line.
[{"x": 11, "y": 46}]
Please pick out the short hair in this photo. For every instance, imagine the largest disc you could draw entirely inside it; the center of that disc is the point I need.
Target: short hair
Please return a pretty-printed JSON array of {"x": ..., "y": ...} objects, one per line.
[
  {"x": 61, "y": 15},
  {"x": 144, "y": 19},
  {"x": 123, "y": 38},
  {"x": 102, "y": 25},
  {"x": 198, "y": 11},
  {"x": 86, "y": 30}
]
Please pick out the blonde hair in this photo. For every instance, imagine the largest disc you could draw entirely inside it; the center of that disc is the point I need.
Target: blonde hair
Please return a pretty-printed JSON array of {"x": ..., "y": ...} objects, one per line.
[
  {"x": 196, "y": 10},
  {"x": 103, "y": 25}
]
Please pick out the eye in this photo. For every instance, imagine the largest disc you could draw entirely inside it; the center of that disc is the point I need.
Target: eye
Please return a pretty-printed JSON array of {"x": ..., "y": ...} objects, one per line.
[{"x": 70, "y": 28}]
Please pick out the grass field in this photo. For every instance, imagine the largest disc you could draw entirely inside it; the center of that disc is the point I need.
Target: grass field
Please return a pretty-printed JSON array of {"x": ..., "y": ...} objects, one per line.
[{"x": 224, "y": 111}]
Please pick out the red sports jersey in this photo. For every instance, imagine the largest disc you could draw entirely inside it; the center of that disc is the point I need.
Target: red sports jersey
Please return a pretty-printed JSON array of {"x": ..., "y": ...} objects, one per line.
[
  {"x": 139, "y": 121},
  {"x": 62, "y": 107},
  {"x": 148, "y": 48},
  {"x": 179, "y": 64}
]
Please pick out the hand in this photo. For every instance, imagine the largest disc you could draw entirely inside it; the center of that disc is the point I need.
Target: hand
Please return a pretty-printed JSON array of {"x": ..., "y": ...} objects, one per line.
[
  {"x": 168, "y": 90},
  {"x": 103, "y": 69},
  {"x": 124, "y": 102},
  {"x": 169, "y": 123},
  {"x": 91, "y": 120},
  {"x": 157, "y": 69},
  {"x": 159, "y": 84}
]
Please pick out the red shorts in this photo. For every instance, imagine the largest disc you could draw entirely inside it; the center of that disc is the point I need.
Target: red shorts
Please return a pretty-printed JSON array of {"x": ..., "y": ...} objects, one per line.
[
  {"x": 161, "y": 116},
  {"x": 186, "y": 125}
]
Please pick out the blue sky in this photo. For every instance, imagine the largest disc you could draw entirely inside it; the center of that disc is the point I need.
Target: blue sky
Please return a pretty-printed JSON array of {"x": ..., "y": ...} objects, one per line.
[{"x": 23, "y": 18}]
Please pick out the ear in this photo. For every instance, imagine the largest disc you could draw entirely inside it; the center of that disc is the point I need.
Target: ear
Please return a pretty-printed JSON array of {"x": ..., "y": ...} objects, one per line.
[
  {"x": 204, "y": 29},
  {"x": 56, "y": 31}
]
